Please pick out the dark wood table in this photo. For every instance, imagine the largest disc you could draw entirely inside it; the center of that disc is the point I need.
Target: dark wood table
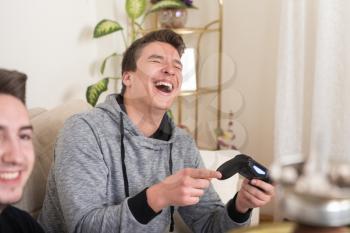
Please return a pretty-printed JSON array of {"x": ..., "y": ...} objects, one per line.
[{"x": 288, "y": 227}]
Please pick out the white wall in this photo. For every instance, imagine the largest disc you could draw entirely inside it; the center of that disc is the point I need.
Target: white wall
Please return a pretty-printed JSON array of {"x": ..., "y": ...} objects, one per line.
[
  {"x": 51, "y": 42},
  {"x": 251, "y": 39}
]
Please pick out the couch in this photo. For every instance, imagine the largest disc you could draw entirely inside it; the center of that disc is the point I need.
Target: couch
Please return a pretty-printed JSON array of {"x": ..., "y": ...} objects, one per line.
[{"x": 47, "y": 124}]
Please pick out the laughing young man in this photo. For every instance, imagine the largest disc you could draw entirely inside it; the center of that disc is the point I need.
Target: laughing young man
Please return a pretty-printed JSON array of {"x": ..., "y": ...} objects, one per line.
[
  {"x": 16, "y": 153},
  {"x": 125, "y": 166}
]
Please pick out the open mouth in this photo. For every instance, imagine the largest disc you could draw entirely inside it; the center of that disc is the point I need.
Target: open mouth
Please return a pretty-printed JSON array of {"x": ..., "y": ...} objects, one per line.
[{"x": 165, "y": 87}]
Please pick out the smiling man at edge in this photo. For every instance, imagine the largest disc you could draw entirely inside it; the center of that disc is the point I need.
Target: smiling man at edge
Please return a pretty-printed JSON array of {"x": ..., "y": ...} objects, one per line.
[
  {"x": 125, "y": 167},
  {"x": 16, "y": 153}
]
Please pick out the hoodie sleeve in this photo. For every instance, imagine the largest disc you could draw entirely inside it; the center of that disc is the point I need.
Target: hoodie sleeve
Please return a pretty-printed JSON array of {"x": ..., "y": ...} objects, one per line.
[
  {"x": 80, "y": 175},
  {"x": 210, "y": 214}
]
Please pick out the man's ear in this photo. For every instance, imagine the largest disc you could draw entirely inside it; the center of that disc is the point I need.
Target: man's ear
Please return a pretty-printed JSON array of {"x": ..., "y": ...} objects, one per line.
[{"x": 126, "y": 78}]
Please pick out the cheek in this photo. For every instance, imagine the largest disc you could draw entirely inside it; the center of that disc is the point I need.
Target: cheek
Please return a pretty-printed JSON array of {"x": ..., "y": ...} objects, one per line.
[
  {"x": 144, "y": 83},
  {"x": 147, "y": 71}
]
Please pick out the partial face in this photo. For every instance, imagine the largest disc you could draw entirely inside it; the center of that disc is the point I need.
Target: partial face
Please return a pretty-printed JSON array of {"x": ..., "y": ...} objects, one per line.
[
  {"x": 158, "y": 77},
  {"x": 16, "y": 149}
]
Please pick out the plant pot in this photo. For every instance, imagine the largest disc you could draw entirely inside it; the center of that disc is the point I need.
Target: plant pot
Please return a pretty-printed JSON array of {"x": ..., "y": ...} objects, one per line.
[{"x": 172, "y": 18}]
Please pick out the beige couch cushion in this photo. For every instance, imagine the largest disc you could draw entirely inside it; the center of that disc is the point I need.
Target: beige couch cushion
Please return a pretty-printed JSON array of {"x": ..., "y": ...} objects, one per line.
[
  {"x": 35, "y": 112},
  {"x": 46, "y": 127}
]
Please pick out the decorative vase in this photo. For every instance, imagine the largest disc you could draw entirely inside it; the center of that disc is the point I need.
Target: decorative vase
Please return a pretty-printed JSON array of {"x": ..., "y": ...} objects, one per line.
[{"x": 172, "y": 18}]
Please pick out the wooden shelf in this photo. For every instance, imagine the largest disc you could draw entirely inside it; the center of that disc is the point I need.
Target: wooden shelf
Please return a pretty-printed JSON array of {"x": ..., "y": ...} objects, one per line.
[
  {"x": 186, "y": 31},
  {"x": 199, "y": 91},
  {"x": 189, "y": 30}
]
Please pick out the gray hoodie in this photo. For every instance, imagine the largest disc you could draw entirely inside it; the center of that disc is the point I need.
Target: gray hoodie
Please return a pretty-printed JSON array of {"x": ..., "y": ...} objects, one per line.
[{"x": 87, "y": 190}]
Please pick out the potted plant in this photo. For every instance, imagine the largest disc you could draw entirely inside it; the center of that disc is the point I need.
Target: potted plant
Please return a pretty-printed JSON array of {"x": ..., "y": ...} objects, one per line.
[{"x": 174, "y": 16}]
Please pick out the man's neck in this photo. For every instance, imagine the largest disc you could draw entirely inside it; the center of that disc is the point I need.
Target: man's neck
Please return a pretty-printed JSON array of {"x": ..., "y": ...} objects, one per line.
[{"x": 147, "y": 120}]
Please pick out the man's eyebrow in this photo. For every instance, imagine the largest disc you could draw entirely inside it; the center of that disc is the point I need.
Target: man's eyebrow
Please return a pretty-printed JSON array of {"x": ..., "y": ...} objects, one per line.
[
  {"x": 155, "y": 56},
  {"x": 27, "y": 127}
]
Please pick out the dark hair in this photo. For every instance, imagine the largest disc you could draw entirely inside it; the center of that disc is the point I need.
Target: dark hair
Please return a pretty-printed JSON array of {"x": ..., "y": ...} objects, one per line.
[
  {"x": 133, "y": 52},
  {"x": 13, "y": 83}
]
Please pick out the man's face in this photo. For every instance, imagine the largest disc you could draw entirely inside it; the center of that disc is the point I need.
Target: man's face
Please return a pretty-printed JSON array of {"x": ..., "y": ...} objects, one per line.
[
  {"x": 16, "y": 149},
  {"x": 158, "y": 76}
]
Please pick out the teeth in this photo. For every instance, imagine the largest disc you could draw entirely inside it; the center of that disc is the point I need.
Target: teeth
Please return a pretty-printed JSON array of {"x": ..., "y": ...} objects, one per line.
[
  {"x": 9, "y": 175},
  {"x": 169, "y": 85}
]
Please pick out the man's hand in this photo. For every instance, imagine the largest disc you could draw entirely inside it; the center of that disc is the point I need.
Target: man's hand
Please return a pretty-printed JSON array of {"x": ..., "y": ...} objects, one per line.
[
  {"x": 181, "y": 189},
  {"x": 251, "y": 197}
]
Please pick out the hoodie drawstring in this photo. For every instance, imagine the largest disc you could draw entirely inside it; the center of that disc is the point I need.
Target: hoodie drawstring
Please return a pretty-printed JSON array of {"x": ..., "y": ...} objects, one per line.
[
  {"x": 172, "y": 223},
  {"x": 125, "y": 175}
]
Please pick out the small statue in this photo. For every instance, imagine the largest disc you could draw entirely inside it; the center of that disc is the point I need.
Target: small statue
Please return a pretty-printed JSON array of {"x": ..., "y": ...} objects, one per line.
[{"x": 226, "y": 137}]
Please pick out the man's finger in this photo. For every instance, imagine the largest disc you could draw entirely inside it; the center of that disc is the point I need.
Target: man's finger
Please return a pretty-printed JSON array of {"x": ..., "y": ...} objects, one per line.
[
  {"x": 266, "y": 187},
  {"x": 201, "y": 183},
  {"x": 201, "y": 173}
]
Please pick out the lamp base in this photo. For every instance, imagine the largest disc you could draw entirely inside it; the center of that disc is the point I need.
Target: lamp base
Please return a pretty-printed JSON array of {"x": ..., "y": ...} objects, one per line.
[{"x": 315, "y": 211}]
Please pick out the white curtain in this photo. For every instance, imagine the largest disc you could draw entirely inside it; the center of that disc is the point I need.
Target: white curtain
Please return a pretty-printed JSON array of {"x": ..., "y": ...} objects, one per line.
[{"x": 313, "y": 86}]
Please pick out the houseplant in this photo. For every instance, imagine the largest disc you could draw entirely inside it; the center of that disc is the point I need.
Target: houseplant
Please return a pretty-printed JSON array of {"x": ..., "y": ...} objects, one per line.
[{"x": 137, "y": 11}]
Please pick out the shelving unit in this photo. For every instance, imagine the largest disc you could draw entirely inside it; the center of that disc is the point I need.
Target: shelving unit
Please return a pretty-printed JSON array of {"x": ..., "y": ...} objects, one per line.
[{"x": 212, "y": 27}]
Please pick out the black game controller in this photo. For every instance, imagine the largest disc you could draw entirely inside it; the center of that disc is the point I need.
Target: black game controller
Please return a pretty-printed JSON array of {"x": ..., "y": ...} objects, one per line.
[{"x": 245, "y": 166}]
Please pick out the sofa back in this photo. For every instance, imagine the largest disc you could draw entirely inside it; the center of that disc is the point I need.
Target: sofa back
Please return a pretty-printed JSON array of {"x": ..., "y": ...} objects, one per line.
[{"x": 46, "y": 124}]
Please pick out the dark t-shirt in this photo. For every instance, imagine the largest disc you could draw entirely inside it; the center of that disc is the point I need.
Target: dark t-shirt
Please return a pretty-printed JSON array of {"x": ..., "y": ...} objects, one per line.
[{"x": 19, "y": 221}]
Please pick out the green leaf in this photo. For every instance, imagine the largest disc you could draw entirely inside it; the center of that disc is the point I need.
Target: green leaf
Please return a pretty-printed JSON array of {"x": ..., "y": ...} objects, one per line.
[
  {"x": 170, "y": 114},
  {"x": 106, "y": 27},
  {"x": 167, "y": 4},
  {"x": 135, "y": 8},
  {"x": 103, "y": 65},
  {"x": 94, "y": 91}
]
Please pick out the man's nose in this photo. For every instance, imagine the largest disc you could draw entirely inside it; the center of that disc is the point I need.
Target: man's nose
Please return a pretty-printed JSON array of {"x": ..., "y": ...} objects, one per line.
[
  {"x": 11, "y": 151},
  {"x": 169, "y": 70}
]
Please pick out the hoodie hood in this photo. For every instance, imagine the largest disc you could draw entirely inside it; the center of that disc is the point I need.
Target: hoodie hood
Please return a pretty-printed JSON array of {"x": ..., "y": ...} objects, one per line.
[{"x": 114, "y": 111}]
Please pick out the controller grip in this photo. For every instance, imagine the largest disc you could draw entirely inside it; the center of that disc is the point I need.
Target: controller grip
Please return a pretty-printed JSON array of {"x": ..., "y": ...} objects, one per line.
[
  {"x": 245, "y": 166},
  {"x": 232, "y": 166}
]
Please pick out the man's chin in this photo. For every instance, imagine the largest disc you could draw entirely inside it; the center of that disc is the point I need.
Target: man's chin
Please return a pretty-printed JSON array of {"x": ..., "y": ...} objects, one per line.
[
  {"x": 8, "y": 198},
  {"x": 162, "y": 105},
  {"x": 159, "y": 110}
]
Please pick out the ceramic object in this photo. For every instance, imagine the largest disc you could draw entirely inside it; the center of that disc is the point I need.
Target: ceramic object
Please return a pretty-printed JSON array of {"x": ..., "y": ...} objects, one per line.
[{"x": 172, "y": 18}]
